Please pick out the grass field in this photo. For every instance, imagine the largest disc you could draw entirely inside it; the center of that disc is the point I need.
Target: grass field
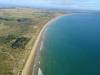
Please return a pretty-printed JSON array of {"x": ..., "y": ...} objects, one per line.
[{"x": 18, "y": 31}]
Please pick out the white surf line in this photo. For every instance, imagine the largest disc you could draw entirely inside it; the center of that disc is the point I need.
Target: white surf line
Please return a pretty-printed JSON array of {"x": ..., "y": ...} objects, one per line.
[
  {"x": 40, "y": 71},
  {"x": 41, "y": 46}
]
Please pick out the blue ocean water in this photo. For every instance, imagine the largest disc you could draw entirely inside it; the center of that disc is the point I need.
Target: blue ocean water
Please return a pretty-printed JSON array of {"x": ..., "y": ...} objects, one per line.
[{"x": 72, "y": 46}]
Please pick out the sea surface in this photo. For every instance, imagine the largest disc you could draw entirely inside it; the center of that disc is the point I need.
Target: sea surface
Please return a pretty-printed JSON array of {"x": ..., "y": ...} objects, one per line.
[{"x": 71, "y": 46}]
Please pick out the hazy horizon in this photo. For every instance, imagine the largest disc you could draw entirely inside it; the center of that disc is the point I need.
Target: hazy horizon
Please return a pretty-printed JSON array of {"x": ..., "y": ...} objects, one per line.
[{"x": 61, "y": 4}]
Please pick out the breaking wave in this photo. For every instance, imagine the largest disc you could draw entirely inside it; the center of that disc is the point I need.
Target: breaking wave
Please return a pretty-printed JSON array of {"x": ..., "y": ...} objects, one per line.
[
  {"x": 40, "y": 71},
  {"x": 41, "y": 46}
]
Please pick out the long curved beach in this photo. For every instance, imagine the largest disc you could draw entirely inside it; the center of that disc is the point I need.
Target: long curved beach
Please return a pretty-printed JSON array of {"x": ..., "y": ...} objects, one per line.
[{"x": 27, "y": 70}]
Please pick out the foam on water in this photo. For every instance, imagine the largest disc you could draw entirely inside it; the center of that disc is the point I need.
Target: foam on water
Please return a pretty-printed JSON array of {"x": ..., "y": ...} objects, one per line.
[
  {"x": 43, "y": 37},
  {"x": 41, "y": 46},
  {"x": 44, "y": 33},
  {"x": 40, "y": 72}
]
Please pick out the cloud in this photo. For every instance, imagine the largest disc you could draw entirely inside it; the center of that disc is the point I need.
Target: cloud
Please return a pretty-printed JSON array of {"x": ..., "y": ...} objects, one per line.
[{"x": 77, "y": 4}]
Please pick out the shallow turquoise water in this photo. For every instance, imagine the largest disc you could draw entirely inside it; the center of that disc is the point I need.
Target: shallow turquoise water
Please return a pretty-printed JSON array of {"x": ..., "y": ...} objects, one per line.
[{"x": 72, "y": 46}]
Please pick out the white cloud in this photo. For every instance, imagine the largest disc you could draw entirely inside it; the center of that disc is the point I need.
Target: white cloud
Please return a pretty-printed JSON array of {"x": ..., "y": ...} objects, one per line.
[{"x": 79, "y": 4}]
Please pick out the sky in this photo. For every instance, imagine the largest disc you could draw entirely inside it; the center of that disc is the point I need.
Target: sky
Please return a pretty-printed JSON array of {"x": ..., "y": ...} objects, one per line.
[{"x": 64, "y": 4}]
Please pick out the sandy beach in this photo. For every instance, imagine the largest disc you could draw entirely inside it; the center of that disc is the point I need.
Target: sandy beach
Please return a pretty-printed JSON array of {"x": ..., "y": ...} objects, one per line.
[{"x": 27, "y": 70}]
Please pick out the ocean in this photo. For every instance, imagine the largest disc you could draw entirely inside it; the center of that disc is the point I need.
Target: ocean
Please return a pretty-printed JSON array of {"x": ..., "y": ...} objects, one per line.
[{"x": 71, "y": 46}]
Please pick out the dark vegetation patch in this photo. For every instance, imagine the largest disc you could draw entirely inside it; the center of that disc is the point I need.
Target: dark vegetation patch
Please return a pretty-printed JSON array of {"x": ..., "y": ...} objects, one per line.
[
  {"x": 6, "y": 18},
  {"x": 14, "y": 41},
  {"x": 7, "y": 39},
  {"x": 25, "y": 21},
  {"x": 20, "y": 42},
  {"x": 16, "y": 21}
]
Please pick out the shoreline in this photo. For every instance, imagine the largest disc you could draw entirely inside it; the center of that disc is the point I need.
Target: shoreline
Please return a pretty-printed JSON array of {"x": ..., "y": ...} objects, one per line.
[{"x": 28, "y": 67}]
